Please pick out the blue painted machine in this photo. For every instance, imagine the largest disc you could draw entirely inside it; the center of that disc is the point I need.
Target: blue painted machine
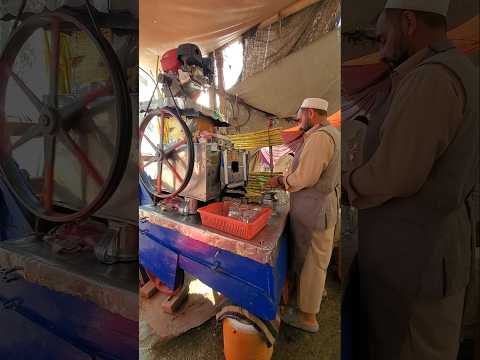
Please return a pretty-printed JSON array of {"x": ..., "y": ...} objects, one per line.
[{"x": 180, "y": 171}]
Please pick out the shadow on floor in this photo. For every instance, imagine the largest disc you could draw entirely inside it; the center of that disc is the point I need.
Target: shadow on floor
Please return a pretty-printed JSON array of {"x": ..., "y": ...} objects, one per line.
[{"x": 206, "y": 342}]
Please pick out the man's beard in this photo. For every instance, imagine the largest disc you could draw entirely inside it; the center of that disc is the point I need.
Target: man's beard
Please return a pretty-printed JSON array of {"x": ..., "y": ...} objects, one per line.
[
  {"x": 307, "y": 126},
  {"x": 399, "y": 58},
  {"x": 401, "y": 54}
]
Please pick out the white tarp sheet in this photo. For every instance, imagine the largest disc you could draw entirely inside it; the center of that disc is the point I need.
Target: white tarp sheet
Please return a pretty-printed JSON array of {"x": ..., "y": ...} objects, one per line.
[
  {"x": 11, "y": 7},
  {"x": 207, "y": 23},
  {"x": 313, "y": 71}
]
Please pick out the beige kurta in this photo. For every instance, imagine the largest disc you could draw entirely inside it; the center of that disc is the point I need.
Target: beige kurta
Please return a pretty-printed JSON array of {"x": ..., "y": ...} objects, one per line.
[
  {"x": 315, "y": 157},
  {"x": 310, "y": 276},
  {"x": 401, "y": 164},
  {"x": 424, "y": 118}
]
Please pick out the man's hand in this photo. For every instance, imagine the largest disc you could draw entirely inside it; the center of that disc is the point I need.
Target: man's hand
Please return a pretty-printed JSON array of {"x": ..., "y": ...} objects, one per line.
[{"x": 275, "y": 182}]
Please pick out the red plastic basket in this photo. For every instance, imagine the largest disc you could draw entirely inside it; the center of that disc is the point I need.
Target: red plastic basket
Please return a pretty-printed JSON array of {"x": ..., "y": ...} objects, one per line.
[{"x": 212, "y": 216}]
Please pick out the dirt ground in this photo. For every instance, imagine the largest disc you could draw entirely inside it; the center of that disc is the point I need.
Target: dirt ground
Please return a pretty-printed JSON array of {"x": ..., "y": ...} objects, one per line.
[{"x": 206, "y": 341}]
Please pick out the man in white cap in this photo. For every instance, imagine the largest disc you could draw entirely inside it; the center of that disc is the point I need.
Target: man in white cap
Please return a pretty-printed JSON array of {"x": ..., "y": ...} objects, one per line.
[
  {"x": 415, "y": 190},
  {"x": 314, "y": 185}
]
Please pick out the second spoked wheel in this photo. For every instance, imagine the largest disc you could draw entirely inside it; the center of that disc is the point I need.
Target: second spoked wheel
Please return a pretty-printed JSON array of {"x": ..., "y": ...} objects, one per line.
[
  {"x": 166, "y": 154},
  {"x": 65, "y": 117}
]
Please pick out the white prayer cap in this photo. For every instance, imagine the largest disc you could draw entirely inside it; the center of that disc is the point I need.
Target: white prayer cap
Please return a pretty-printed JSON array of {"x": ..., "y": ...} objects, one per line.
[
  {"x": 431, "y": 6},
  {"x": 315, "y": 103}
]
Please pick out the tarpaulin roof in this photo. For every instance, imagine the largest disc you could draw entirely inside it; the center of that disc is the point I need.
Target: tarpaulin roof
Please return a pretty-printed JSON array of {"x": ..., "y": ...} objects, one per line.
[
  {"x": 313, "y": 71},
  {"x": 9, "y": 8},
  {"x": 207, "y": 23}
]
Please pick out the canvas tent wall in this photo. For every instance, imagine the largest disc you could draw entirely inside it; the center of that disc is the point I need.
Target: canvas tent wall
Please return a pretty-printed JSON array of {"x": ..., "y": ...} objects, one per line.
[{"x": 166, "y": 24}]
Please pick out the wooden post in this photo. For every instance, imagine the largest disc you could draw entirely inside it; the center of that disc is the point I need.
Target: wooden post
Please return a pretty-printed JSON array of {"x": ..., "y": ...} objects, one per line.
[
  {"x": 211, "y": 91},
  {"x": 270, "y": 147},
  {"x": 221, "y": 81},
  {"x": 289, "y": 10}
]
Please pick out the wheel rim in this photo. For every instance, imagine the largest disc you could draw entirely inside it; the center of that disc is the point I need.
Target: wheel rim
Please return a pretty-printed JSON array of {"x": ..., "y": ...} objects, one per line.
[
  {"x": 166, "y": 164},
  {"x": 64, "y": 127}
]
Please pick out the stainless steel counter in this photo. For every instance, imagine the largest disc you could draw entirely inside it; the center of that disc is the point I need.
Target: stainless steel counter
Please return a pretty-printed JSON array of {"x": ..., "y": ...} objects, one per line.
[
  {"x": 112, "y": 287},
  {"x": 263, "y": 248}
]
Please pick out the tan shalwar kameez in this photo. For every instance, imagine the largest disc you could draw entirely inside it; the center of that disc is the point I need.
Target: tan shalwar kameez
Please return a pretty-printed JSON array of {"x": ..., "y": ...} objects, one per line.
[
  {"x": 312, "y": 247},
  {"x": 414, "y": 231}
]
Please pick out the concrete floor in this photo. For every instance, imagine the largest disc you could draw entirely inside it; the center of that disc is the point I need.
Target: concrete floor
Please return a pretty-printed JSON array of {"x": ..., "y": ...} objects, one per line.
[{"x": 206, "y": 341}]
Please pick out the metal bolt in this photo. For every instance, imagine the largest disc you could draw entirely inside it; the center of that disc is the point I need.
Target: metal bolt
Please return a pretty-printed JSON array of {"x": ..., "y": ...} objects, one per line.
[{"x": 44, "y": 120}]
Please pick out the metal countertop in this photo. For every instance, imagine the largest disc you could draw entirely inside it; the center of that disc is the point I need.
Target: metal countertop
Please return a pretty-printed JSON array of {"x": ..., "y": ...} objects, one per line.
[
  {"x": 263, "y": 248},
  {"x": 112, "y": 287}
]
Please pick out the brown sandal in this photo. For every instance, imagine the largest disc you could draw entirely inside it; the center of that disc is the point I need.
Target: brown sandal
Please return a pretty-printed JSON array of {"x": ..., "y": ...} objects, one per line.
[{"x": 291, "y": 318}]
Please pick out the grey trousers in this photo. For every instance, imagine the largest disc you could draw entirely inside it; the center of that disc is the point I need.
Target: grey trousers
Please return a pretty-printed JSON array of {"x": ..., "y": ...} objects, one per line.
[{"x": 434, "y": 329}]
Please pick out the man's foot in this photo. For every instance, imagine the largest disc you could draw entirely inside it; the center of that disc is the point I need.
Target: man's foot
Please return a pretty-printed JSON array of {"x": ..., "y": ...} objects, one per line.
[{"x": 294, "y": 318}]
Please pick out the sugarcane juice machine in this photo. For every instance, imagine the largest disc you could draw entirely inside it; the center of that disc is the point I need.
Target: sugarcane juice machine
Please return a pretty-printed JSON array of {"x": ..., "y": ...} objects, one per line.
[
  {"x": 68, "y": 176},
  {"x": 66, "y": 146},
  {"x": 182, "y": 168},
  {"x": 179, "y": 167}
]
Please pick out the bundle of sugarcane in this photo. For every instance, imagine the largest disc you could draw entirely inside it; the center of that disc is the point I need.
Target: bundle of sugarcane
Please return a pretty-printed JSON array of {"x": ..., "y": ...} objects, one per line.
[
  {"x": 256, "y": 185},
  {"x": 258, "y": 139}
]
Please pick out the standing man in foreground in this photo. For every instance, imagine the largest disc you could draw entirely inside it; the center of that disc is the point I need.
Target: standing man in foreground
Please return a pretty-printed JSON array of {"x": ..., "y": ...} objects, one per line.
[
  {"x": 414, "y": 192},
  {"x": 314, "y": 186}
]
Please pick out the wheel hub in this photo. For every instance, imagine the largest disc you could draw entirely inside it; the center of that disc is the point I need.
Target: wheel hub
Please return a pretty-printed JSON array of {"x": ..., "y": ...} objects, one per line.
[
  {"x": 49, "y": 123},
  {"x": 45, "y": 120}
]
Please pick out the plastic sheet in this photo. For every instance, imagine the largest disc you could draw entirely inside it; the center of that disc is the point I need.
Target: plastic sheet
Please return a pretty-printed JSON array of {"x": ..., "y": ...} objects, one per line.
[
  {"x": 10, "y": 8},
  {"x": 209, "y": 23}
]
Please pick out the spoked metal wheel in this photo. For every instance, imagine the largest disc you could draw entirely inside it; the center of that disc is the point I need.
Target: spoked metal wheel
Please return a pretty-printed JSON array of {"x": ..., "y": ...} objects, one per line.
[
  {"x": 166, "y": 154},
  {"x": 64, "y": 149}
]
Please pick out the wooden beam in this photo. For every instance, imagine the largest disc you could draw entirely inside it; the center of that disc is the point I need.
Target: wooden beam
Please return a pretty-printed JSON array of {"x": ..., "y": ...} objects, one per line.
[
  {"x": 211, "y": 90},
  {"x": 289, "y": 10},
  {"x": 221, "y": 81},
  {"x": 148, "y": 290},
  {"x": 173, "y": 302}
]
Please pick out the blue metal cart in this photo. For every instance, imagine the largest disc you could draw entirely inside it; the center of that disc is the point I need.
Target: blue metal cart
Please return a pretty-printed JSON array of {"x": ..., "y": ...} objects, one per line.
[{"x": 251, "y": 274}]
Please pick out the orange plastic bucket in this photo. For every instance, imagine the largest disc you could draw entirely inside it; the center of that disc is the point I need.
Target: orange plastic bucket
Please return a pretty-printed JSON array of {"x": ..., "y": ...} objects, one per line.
[{"x": 243, "y": 342}]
